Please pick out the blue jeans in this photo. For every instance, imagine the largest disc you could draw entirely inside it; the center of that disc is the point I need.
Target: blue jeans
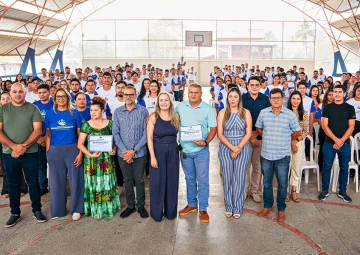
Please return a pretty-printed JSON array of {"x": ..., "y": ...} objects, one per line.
[
  {"x": 13, "y": 168},
  {"x": 42, "y": 165},
  {"x": 344, "y": 154},
  {"x": 177, "y": 95},
  {"x": 196, "y": 169},
  {"x": 281, "y": 169}
]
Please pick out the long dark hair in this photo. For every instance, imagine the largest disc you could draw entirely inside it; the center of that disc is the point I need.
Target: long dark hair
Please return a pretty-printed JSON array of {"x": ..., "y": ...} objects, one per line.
[
  {"x": 318, "y": 96},
  {"x": 143, "y": 90},
  {"x": 325, "y": 101},
  {"x": 300, "y": 108}
]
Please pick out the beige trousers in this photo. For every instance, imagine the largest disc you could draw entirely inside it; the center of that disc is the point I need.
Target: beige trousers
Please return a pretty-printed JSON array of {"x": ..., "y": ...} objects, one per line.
[
  {"x": 295, "y": 163},
  {"x": 253, "y": 175}
]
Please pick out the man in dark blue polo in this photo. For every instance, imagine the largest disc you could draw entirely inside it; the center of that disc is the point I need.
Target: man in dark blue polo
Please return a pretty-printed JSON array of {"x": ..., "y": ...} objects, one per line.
[{"x": 254, "y": 101}]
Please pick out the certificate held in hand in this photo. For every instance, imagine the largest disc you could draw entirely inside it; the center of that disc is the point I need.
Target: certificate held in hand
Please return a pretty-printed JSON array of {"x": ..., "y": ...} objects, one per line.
[
  {"x": 103, "y": 143},
  {"x": 191, "y": 133}
]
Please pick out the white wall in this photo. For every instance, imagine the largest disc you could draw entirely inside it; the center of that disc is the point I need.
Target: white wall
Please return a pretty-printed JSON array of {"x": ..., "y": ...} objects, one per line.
[{"x": 204, "y": 67}]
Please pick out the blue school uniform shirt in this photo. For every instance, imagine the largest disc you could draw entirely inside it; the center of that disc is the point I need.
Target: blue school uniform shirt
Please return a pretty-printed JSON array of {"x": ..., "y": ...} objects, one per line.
[
  {"x": 85, "y": 115},
  {"x": 43, "y": 108},
  {"x": 88, "y": 100},
  {"x": 63, "y": 126}
]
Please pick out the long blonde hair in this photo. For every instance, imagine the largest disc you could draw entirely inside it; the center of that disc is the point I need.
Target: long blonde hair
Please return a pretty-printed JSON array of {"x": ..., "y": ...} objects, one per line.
[
  {"x": 69, "y": 104},
  {"x": 241, "y": 109},
  {"x": 175, "y": 119}
]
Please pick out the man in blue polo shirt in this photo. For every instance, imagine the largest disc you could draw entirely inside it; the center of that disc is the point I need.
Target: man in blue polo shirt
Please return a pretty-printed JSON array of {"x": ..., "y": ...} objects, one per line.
[
  {"x": 44, "y": 104},
  {"x": 278, "y": 126},
  {"x": 195, "y": 154},
  {"x": 254, "y": 101}
]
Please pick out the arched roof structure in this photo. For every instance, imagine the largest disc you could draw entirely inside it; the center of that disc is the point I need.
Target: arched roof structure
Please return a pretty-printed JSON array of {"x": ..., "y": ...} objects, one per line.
[{"x": 42, "y": 25}]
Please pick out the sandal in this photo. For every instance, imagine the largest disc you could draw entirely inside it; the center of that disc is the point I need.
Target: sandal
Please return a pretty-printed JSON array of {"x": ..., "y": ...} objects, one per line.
[
  {"x": 287, "y": 199},
  {"x": 228, "y": 214},
  {"x": 237, "y": 216},
  {"x": 297, "y": 200}
]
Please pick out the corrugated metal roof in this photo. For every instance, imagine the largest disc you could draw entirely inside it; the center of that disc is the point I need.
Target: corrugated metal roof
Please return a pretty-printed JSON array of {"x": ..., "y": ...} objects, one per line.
[
  {"x": 349, "y": 26},
  {"x": 16, "y": 20},
  {"x": 54, "y": 5},
  {"x": 337, "y": 5},
  {"x": 351, "y": 45},
  {"x": 9, "y": 44}
]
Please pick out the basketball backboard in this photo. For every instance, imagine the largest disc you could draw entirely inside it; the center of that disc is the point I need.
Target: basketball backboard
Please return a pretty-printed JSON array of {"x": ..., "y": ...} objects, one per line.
[{"x": 198, "y": 38}]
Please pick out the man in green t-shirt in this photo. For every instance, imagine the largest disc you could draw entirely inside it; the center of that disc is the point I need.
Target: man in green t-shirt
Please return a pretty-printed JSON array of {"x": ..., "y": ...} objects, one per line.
[{"x": 20, "y": 128}]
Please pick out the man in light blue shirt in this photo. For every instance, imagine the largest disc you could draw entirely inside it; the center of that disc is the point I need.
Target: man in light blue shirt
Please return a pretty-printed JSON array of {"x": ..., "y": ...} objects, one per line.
[
  {"x": 195, "y": 154},
  {"x": 278, "y": 126}
]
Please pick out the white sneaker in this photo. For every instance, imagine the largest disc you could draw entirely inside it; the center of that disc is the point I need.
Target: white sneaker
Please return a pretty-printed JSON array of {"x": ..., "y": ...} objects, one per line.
[
  {"x": 76, "y": 216},
  {"x": 54, "y": 218},
  {"x": 121, "y": 190}
]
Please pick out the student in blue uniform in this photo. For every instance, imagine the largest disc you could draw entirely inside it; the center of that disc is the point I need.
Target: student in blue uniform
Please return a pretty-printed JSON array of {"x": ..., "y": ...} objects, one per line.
[
  {"x": 44, "y": 104},
  {"x": 81, "y": 105},
  {"x": 65, "y": 160}
]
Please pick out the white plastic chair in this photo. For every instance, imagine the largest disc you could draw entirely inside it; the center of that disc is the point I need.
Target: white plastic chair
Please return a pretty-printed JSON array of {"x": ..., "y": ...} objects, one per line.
[
  {"x": 352, "y": 165},
  {"x": 212, "y": 103},
  {"x": 317, "y": 146},
  {"x": 307, "y": 165}
]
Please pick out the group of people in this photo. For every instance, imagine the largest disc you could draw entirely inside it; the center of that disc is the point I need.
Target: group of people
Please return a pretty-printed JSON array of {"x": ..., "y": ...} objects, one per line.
[{"x": 148, "y": 130}]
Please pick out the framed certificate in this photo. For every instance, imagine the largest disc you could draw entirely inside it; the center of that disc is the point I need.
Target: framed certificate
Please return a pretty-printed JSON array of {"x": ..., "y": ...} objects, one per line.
[
  {"x": 190, "y": 133},
  {"x": 103, "y": 143}
]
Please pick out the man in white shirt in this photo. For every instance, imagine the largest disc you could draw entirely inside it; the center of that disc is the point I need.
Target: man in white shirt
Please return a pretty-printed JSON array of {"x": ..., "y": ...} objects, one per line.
[
  {"x": 57, "y": 74},
  {"x": 68, "y": 73},
  {"x": 269, "y": 75},
  {"x": 33, "y": 96},
  {"x": 127, "y": 78},
  {"x": 170, "y": 83},
  {"x": 315, "y": 79},
  {"x": 322, "y": 76},
  {"x": 44, "y": 77},
  {"x": 291, "y": 78},
  {"x": 116, "y": 102},
  {"x": 107, "y": 91},
  {"x": 144, "y": 74},
  {"x": 182, "y": 63},
  {"x": 191, "y": 75},
  {"x": 135, "y": 81}
]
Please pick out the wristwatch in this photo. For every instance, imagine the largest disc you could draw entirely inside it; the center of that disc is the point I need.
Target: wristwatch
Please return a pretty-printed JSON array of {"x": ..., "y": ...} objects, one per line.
[
  {"x": 206, "y": 143},
  {"x": 135, "y": 151}
]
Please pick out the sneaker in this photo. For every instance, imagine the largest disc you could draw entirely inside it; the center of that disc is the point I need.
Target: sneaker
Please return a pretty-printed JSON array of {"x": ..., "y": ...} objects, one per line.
[
  {"x": 345, "y": 197},
  {"x": 323, "y": 195},
  {"x": 76, "y": 216},
  {"x": 14, "y": 218},
  {"x": 54, "y": 218},
  {"x": 204, "y": 216},
  {"x": 256, "y": 197},
  {"x": 188, "y": 209},
  {"x": 40, "y": 217}
]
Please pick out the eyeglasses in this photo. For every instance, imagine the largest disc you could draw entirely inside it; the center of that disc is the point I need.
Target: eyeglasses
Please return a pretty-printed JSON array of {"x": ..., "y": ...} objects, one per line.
[
  {"x": 276, "y": 98},
  {"x": 129, "y": 95},
  {"x": 62, "y": 97}
]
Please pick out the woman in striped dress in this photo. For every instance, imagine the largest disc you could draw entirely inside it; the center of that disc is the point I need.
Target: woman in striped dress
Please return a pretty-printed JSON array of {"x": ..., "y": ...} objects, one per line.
[{"x": 234, "y": 132}]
